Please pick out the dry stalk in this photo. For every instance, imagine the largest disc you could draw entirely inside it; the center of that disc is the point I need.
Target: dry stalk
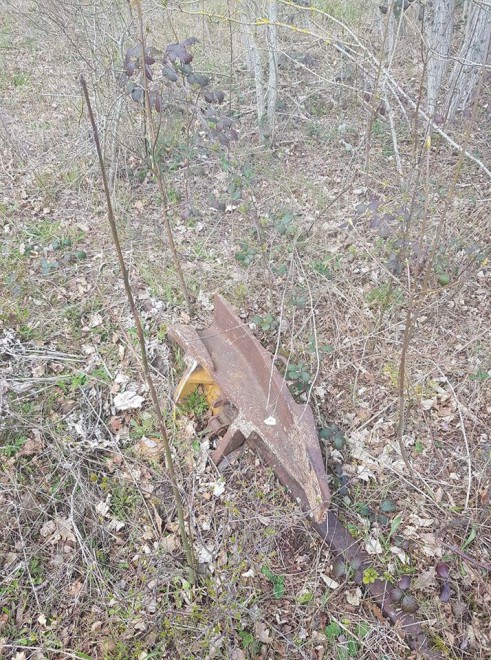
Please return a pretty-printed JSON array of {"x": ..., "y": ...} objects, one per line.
[
  {"x": 186, "y": 544},
  {"x": 156, "y": 170},
  {"x": 417, "y": 298}
]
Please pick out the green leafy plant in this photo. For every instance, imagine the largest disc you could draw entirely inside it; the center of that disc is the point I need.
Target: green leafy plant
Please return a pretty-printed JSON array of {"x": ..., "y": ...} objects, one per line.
[
  {"x": 370, "y": 575},
  {"x": 195, "y": 404},
  {"x": 299, "y": 298},
  {"x": 332, "y": 433},
  {"x": 13, "y": 446},
  {"x": 72, "y": 383},
  {"x": 284, "y": 223},
  {"x": 246, "y": 254},
  {"x": 278, "y": 581},
  {"x": 265, "y": 323},
  {"x": 300, "y": 375},
  {"x": 481, "y": 375},
  {"x": 320, "y": 348},
  {"x": 328, "y": 265},
  {"x": 346, "y": 643}
]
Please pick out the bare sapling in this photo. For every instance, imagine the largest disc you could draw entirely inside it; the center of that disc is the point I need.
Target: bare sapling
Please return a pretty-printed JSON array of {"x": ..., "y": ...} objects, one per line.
[
  {"x": 418, "y": 295},
  {"x": 156, "y": 169},
  {"x": 185, "y": 538}
]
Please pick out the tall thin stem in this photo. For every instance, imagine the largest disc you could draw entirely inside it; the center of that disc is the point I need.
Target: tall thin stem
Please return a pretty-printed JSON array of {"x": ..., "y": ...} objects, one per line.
[
  {"x": 186, "y": 544},
  {"x": 156, "y": 170}
]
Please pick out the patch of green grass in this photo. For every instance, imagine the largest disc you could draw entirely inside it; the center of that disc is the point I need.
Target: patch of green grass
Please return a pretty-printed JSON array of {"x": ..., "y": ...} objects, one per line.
[
  {"x": 20, "y": 79},
  {"x": 194, "y": 405},
  {"x": 9, "y": 447},
  {"x": 43, "y": 231},
  {"x": 385, "y": 296},
  {"x": 162, "y": 284},
  {"x": 143, "y": 426},
  {"x": 123, "y": 501}
]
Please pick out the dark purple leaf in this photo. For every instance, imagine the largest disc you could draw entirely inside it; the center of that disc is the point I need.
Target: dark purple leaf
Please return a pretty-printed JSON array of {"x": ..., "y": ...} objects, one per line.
[
  {"x": 355, "y": 563},
  {"x": 223, "y": 139},
  {"x": 404, "y": 583},
  {"x": 401, "y": 542},
  {"x": 184, "y": 55},
  {"x": 384, "y": 231},
  {"x": 129, "y": 69},
  {"x": 339, "y": 568},
  {"x": 233, "y": 134},
  {"x": 169, "y": 73},
  {"x": 170, "y": 53},
  {"x": 150, "y": 60},
  {"x": 442, "y": 570},
  {"x": 158, "y": 103},
  {"x": 190, "y": 41},
  {"x": 137, "y": 94},
  {"x": 198, "y": 79},
  {"x": 388, "y": 505},
  {"x": 148, "y": 72},
  {"x": 375, "y": 221},
  {"x": 409, "y": 604},
  {"x": 445, "y": 592},
  {"x": 209, "y": 96},
  {"x": 361, "y": 208},
  {"x": 396, "y": 594},
  {"x": 178, "y": 51},
  {"x": 220, "y": 97}
]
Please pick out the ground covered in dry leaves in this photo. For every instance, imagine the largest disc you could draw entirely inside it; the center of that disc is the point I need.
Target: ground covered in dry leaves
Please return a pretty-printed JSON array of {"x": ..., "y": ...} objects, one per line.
[{"x": 300, "y": 240}]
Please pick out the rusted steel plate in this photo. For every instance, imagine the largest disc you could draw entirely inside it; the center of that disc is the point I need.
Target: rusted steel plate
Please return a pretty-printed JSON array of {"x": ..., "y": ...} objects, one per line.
[
  {"x": 285, "y": 430},
  {"x": 255, "y": 405}
]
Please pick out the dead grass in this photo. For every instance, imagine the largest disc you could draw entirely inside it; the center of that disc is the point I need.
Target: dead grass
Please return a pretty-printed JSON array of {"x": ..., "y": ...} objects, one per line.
[{"x": 91, "y": 562}]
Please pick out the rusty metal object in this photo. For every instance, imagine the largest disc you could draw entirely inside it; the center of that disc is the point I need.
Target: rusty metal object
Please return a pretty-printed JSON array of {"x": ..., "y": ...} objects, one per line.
[
  {"x": 250, "y": 397},
  {"x": 268, "y": 416}
]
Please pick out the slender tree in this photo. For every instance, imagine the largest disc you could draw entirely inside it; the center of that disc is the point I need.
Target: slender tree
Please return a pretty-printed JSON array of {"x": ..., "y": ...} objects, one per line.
[{"x": 474, "y": 52}]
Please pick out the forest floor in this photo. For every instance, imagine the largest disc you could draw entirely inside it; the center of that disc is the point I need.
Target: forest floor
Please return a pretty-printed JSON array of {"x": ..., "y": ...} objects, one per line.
[{"x": 300, "y": 239}]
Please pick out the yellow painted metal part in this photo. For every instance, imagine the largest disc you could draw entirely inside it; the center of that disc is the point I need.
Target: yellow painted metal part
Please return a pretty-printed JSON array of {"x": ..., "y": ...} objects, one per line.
[{"x": 192, "y": 379}]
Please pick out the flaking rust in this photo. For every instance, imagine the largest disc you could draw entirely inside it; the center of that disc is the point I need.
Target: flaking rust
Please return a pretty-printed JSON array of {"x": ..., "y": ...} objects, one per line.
[{"x": 250, "y": 399}]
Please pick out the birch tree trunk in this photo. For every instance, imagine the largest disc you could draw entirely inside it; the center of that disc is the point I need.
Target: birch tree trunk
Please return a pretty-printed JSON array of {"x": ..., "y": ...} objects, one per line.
[
  {"x": 254, "y": 63},
  {"x": 473, "y": 53},
  {"x": 266, "y": 93},
  {"x": 437, "y": 29},
  {"x": 272, "y": 37}
]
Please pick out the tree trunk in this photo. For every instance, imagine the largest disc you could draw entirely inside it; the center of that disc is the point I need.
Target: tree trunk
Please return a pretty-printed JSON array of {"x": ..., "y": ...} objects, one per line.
[
  {"x": 437, "y": 29},
  {"x": 254, "y": 65},
  {"x": 272, "y": 37},
  {"x": 474, "y": 52}
]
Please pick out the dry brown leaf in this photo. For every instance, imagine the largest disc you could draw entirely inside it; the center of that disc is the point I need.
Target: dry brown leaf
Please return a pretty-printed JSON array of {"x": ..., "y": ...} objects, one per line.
[
  {"x": 426, "y": 579},
  {"x": 33, "y": 445},
  {"x": 150, "y": 448},
  {"x": 262, "y": 633}
]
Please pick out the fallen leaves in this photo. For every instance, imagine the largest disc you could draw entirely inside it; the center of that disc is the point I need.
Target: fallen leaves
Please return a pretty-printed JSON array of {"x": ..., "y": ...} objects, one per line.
[
  {"x": 151, "y": 448},
  {"x": 33, "y": 445},
  {"x": 128, "y": 400},
  {"x": 59, "y": 530}
]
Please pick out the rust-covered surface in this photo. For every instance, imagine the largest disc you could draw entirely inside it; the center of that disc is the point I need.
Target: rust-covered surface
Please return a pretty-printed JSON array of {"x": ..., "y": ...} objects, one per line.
[
  {"x": 251, "y": 400},
  {"x": 266, "y": 411}
]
